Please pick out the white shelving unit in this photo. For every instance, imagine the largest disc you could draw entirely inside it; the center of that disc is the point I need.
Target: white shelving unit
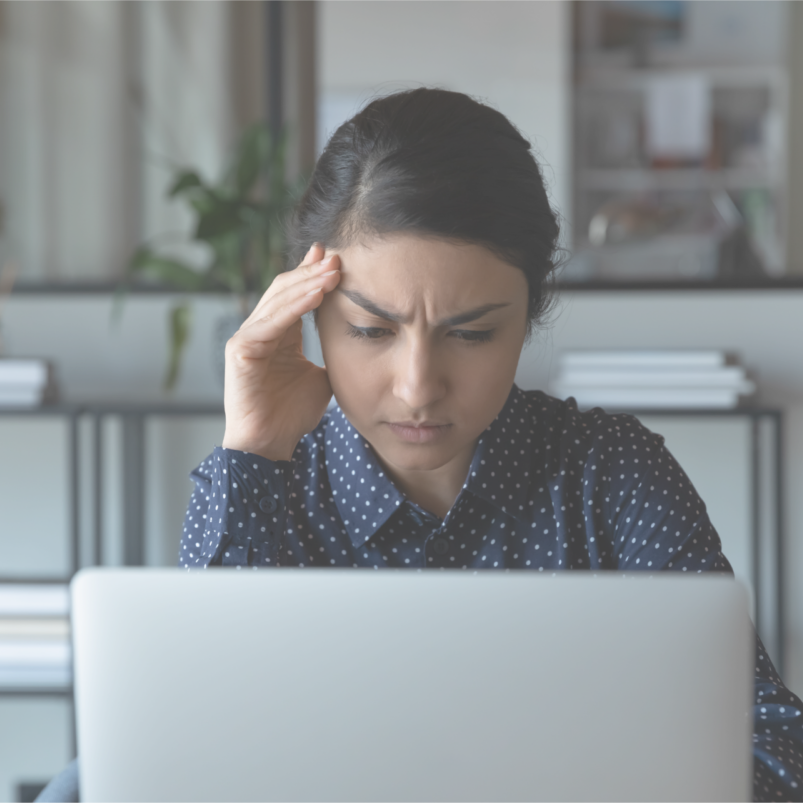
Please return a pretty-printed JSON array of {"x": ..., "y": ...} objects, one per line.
[{"x": 749, "y": 106}]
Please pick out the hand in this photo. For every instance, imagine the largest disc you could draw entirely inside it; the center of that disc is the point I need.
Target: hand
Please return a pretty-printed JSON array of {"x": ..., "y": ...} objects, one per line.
[{"x": 273, "y": 395}]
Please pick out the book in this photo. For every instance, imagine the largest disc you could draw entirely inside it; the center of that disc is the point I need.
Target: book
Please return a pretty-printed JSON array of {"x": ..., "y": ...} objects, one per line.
[
  {"x": 731, "y": 377},
  {"x": 26, "y": 372},
  {"x": 40, "y": 653},
  {"x": 26, "y": 382},
  {"x": 38, "y": 677},
  {"x": 34, "y": 599},
  {"x": 35, "y": 643},
  {"x": 35, "y": 662},
  {"x": 30, "y": 627},
  {"x": 683, "y": 359},
  {"x": 653, "y": 398}
]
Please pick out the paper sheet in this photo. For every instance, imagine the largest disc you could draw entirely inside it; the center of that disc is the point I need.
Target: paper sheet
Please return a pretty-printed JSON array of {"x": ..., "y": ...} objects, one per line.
[{"x": 678, "y": 117}]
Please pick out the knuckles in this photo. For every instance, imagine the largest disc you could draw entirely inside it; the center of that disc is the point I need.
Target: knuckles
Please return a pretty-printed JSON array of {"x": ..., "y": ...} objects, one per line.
[{"x": 279, "y": 280}]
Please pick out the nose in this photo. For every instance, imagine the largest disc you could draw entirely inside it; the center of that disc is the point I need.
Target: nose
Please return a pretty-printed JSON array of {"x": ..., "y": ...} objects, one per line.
[{"x": 419, "y": 379}]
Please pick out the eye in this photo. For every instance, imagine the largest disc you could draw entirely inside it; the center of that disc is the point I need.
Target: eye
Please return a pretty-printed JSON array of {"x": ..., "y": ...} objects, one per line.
[
  {"x": 368, "y": 332},
  {"x": 473, "y": 336}
]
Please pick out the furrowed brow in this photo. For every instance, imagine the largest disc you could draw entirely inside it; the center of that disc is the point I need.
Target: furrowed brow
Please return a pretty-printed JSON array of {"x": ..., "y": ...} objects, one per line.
[
  {"x": 464, "y": 317},
  {"x": 361, "y": 301},
  {"x": 472, "y": 314}
]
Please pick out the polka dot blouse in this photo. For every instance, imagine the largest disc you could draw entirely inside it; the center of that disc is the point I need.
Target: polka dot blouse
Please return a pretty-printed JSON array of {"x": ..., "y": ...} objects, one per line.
[{"x": 549, "y": 488}]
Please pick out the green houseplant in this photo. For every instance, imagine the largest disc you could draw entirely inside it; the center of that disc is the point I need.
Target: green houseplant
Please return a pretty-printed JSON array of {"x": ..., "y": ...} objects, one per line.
[{"x": 239, "y": 219}]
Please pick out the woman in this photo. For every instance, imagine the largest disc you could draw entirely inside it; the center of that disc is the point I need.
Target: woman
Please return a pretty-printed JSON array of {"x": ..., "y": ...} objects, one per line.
[{"x": 433, "y": 245}]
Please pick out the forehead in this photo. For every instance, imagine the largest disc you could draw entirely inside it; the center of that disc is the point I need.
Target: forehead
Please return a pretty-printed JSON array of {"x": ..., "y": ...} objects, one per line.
[{"x": 409, "y": 265}]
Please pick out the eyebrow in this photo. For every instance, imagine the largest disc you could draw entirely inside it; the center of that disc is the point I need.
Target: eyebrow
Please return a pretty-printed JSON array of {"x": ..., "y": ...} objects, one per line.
[{"x": 464, "y": 317}]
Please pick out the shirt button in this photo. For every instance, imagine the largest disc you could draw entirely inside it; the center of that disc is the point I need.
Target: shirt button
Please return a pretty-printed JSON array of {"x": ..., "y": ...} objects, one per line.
[
  {"x": 441, "y": 546},
  {"x": 267, "y": 504}
]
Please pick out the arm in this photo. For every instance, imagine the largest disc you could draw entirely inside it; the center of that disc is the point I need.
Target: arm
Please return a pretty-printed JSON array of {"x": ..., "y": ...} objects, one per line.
[
  {"x": 777, "y": 735},
  {"x": 236, "y": 514},
  {"x": 272, "y": 396},
  {"x": 665, "y": 526}
]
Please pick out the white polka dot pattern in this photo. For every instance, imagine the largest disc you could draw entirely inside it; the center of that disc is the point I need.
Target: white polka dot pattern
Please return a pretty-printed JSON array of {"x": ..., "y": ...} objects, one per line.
[{"x": 549, "y": 488}]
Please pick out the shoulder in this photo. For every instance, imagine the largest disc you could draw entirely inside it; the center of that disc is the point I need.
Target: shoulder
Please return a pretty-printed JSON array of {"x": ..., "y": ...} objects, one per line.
[{"x": 568, "y": 430}]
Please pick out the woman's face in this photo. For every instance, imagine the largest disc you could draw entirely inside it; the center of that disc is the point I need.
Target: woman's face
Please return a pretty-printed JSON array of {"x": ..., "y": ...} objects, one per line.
[{"x": 421, "y": 340}]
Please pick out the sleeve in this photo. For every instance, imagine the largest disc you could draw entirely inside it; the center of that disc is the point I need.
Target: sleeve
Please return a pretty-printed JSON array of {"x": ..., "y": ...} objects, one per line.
[
  {"x": 661, "y": 523},
  {"x": 777, "y": 735},
  {"x": 236, "y": 514}
]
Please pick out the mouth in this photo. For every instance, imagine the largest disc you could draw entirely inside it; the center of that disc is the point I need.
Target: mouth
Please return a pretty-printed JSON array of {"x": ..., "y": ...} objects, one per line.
[{"x": 418, "y": 431}]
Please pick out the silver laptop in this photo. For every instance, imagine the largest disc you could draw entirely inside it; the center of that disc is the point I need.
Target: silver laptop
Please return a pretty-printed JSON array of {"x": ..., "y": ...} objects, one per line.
[{"x": 342, "y": 684}]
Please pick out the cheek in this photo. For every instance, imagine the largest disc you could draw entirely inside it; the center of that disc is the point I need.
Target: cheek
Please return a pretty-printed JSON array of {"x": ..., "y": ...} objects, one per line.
[
  {"x": 485, "y": 374},
  {"x": 355, "y": 373}
]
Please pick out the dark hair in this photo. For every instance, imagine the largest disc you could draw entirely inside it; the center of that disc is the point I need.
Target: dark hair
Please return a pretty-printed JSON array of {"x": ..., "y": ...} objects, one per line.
[{"x": 438, "y": 164}]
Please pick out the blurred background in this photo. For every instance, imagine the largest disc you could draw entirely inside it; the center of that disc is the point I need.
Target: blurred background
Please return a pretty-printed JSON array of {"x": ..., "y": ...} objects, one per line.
[{"x": 149, "y": 151}]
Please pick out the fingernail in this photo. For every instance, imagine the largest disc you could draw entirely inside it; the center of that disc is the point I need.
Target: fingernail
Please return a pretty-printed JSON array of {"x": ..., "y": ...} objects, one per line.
[
  {"x": 327, "y": 260},
  {"x": 316, "y": 290},
  {"x": 330, "y": 273}
]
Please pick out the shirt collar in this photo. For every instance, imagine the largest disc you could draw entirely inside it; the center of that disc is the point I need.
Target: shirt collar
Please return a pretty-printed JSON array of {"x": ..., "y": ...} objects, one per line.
[
  {"x": 364, "y": 495},
  {"x": 509, "y": 469}
]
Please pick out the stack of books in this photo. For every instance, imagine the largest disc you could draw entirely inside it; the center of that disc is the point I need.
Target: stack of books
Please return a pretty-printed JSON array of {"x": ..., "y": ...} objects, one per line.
[
  {"x": 25, "y": 382},
  {"x": 35, "y": 650},
  {"x": 642, "y": 380}
]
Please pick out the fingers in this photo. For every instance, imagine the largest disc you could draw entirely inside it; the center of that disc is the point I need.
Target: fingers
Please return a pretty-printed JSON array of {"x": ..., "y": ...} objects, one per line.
[
  {"x": 315, "y": 254},
  {"x": 313, "y": 265},
  {"x": 322, "y": 274},
  {"x": 285, "y": 308}
]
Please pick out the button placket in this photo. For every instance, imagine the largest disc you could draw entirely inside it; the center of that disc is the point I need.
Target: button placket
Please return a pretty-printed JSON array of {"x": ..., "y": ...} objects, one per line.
[{"x": 268, "y": 504}]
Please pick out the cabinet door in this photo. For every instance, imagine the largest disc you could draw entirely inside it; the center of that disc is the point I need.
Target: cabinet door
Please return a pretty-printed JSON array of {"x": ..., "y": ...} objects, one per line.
[
  {"x": 36, "y": 741},
  {"x": 35, "y": 511}
]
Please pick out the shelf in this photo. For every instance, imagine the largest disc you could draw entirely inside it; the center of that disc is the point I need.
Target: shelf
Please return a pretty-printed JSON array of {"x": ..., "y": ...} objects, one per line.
[
  {"x": 36, "y": 691},
  {"x": 596, "y": 77},
  {"x": 774, "y": 284},
  {"x": 35, "y": 645},
  {"x": 638, "y": 180}
]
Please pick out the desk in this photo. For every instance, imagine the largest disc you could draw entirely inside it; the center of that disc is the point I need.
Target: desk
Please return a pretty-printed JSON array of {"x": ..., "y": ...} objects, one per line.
[
  {"x": 766, "y": 494},
  {"x": 766, "y": 504},
  {"x": 133, "y": 418}
]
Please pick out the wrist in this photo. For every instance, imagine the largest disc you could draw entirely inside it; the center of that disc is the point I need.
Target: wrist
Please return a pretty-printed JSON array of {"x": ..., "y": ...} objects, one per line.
[{"x": 271, "y": 450}]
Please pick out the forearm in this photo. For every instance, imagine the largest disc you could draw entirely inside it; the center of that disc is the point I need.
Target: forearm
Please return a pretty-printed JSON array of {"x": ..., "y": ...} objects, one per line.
[
  {"x": 237, "y": 512},
  {"x": 777, "y": 735}
]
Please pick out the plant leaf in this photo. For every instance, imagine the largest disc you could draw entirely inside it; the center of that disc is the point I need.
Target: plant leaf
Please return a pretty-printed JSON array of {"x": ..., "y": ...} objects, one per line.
[
  {"x": 183, "y": 181},
  {"x": 179, "y": 321},
  {"x": 222, "y": 219},
  {"x": 170, "y": 272},
  {"x": 250, "y": 157}
]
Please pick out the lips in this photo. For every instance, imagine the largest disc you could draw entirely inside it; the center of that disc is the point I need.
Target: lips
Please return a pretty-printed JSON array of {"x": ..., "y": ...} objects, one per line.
[{"x": 418, "y": 431}]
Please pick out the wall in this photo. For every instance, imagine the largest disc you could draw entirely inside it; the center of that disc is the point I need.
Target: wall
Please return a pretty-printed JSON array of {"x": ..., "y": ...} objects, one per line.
[
  {"x": 99, "y": 103},
  {"x": 512, "y": 55}
]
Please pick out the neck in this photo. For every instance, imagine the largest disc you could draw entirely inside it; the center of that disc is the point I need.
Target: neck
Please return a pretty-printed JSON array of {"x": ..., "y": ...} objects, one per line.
[{"x": 434, "y": 490}]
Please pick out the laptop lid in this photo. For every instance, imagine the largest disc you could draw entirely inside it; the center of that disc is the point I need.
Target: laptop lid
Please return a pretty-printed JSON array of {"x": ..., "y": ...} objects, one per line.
[{"x": 330, "y": 684}]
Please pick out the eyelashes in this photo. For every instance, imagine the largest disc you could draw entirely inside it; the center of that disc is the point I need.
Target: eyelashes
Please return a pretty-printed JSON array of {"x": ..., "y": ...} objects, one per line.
[
  {"x": 464, "y": 335},
  {"x": 473, "y": 335},
  {"x": 367, "y": 333}
]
